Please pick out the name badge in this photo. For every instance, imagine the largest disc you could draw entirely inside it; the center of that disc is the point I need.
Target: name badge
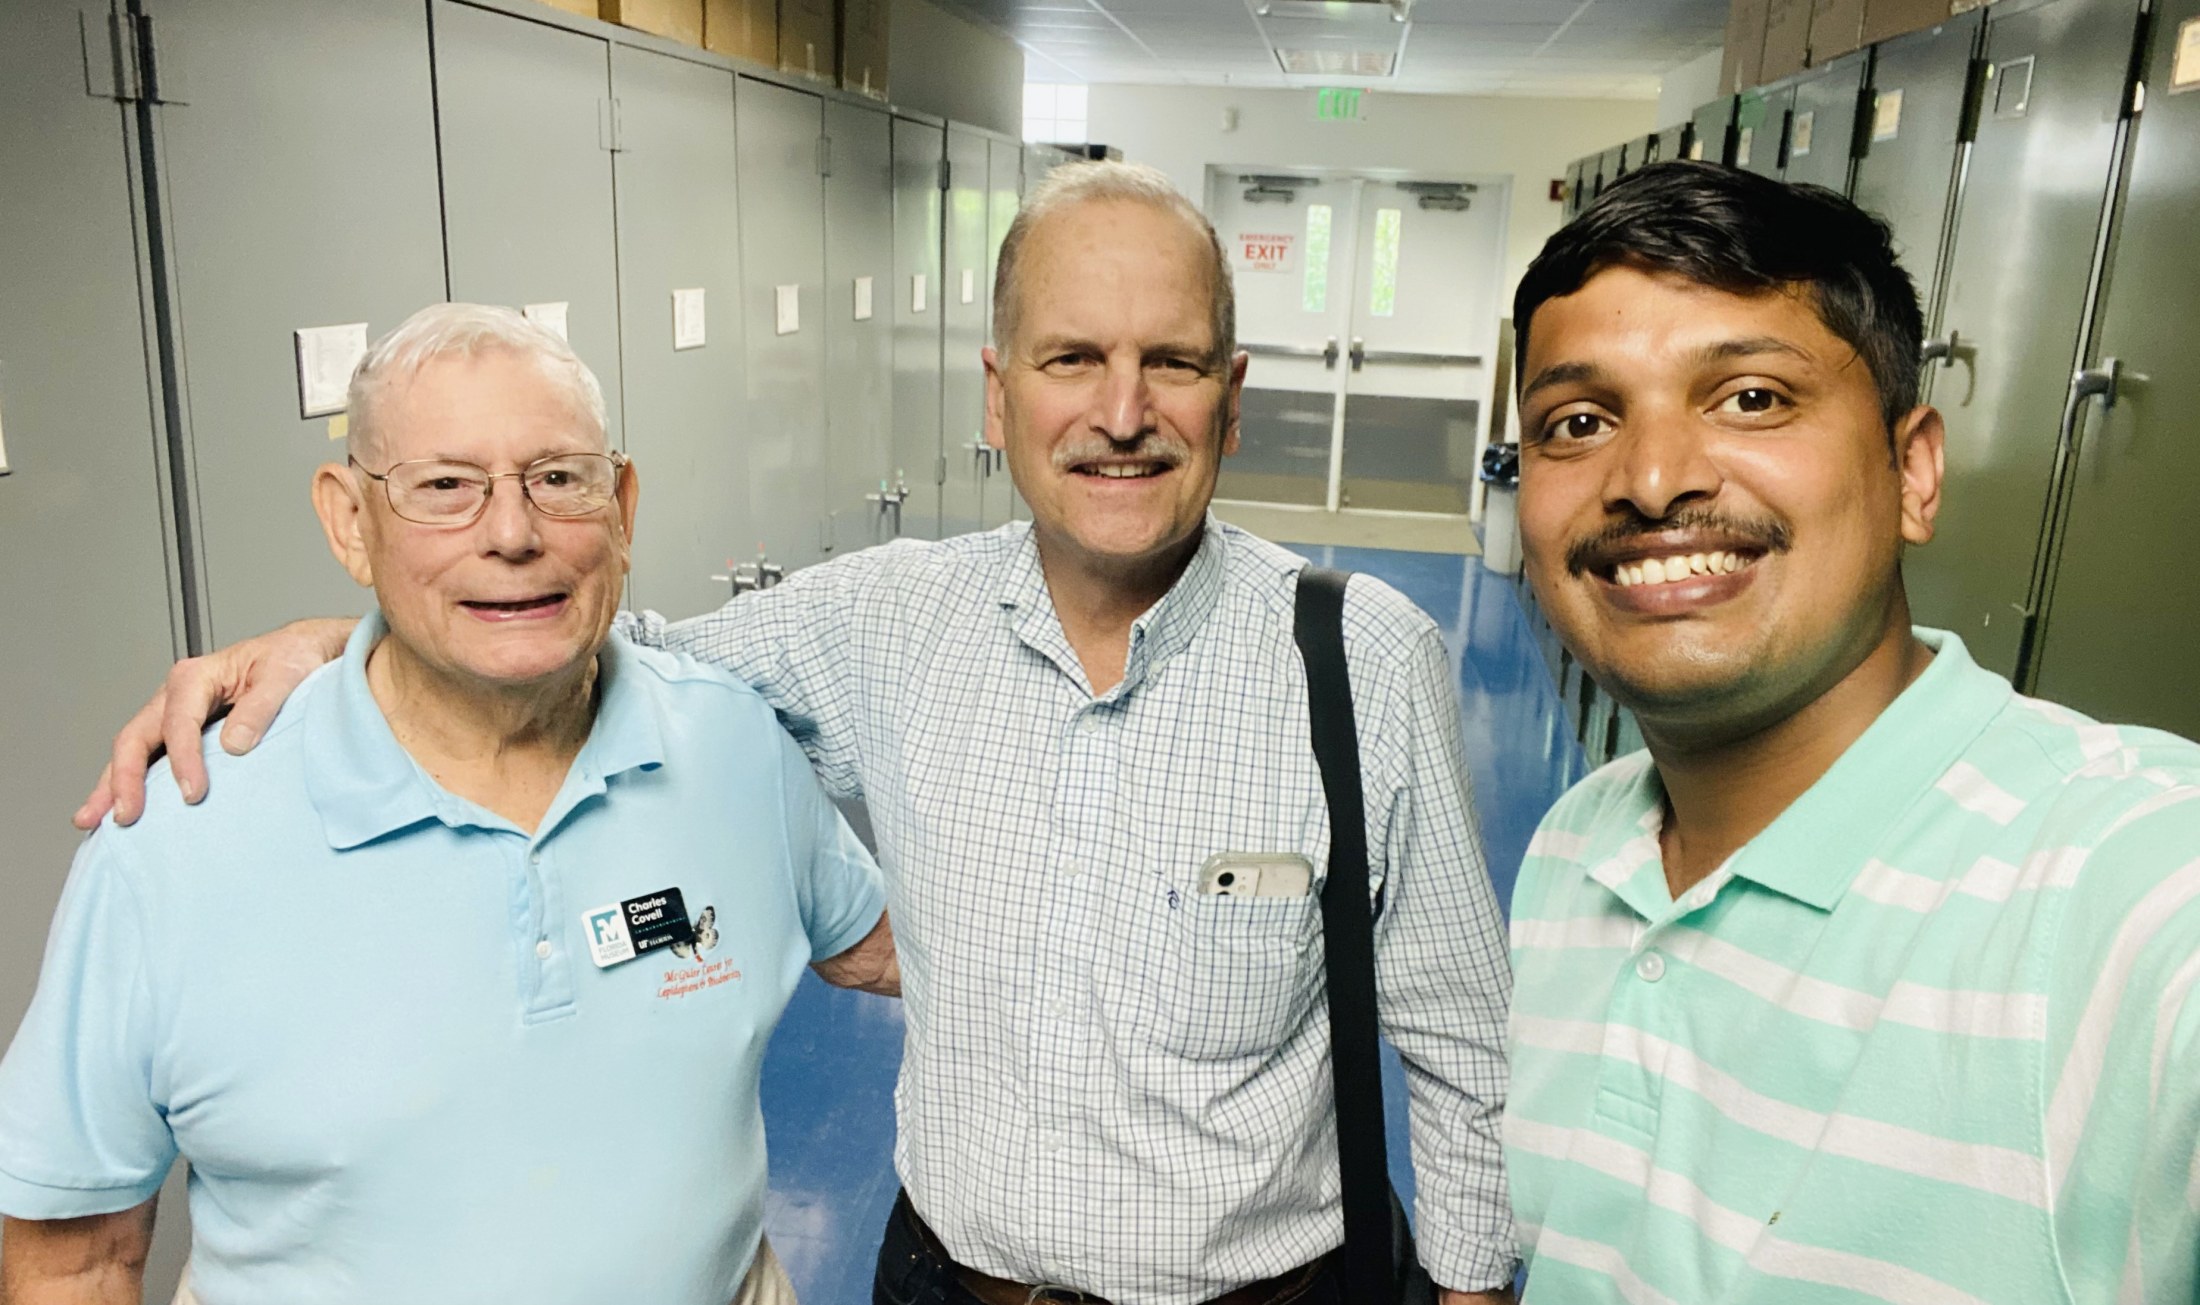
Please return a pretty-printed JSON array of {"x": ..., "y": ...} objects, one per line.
[{"x": 639, "y": 925}]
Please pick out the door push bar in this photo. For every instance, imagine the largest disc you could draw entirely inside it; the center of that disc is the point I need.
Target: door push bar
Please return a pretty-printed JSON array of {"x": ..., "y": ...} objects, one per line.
[
  {"x": 1362, "y": 355},
  {"x": 1327, "y": 352}
]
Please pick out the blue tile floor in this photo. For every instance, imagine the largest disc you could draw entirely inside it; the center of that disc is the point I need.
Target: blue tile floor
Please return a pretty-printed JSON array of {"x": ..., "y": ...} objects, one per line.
[{"x": 829, "y": 1078}]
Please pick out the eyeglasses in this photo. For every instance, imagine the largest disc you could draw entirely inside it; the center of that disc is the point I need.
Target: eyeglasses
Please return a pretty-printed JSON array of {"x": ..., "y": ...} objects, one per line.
[{"x": 435, "y": 492}]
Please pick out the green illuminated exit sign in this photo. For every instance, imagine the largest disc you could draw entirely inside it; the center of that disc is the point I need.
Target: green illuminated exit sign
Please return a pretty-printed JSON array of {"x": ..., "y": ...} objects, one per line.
[{"x": 1339, "y": 103}]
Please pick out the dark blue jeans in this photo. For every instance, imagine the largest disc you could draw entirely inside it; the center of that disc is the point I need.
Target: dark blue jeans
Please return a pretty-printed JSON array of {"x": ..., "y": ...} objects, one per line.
[{"x": 910, "y": 1274}]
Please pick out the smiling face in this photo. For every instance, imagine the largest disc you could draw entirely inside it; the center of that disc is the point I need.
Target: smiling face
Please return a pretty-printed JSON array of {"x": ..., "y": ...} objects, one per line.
[
  {"x": 1110, "y": 401},
  {"x": 1709, "y": 507},
  {"x": 515, "y": 598}
]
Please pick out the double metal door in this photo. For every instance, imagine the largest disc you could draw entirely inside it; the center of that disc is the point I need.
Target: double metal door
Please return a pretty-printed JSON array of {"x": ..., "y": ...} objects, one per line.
[
  {"x": 2050, "y": 108},
  {"x": 911, "y": 500},
  {"x": 1376, "y": 299},
  {"x": 2123, "y": 609}
]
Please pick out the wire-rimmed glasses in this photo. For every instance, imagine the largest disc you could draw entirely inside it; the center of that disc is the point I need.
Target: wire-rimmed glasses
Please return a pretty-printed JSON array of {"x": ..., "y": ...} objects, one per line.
[{"x": 442, "y": 492}]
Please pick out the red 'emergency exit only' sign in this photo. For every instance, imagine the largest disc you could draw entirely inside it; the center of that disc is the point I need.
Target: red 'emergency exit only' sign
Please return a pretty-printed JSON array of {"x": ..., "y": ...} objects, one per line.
[{"x": 1264, "y": 251}]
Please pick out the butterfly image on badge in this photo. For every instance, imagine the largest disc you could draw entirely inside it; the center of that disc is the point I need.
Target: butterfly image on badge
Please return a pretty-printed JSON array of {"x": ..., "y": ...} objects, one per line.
[{"x": 706, "y": 936}]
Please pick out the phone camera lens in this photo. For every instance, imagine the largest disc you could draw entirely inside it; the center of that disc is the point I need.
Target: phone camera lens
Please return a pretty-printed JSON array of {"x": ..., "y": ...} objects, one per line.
[{"x": 1226, "y": 879}]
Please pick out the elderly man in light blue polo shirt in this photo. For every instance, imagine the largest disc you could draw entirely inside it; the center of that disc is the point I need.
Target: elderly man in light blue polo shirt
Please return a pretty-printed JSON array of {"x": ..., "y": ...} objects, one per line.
[{"x": 456, "y": 989}]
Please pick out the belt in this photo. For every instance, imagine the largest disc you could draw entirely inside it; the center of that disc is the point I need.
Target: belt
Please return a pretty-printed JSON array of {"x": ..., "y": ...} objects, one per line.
[{"x": 989, "y": 1290}]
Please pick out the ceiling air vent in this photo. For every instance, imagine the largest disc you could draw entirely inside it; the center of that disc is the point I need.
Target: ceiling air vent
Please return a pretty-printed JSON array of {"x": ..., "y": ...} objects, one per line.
[
  {"x": 1319, "y": 62},
  {"x": 1397, "y": 10}
]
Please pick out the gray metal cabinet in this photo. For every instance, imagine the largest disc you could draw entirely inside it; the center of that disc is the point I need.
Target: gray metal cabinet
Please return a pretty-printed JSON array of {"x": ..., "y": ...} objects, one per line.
[
  {"x": 89, "y": 587},
  {"x": 1821, "y": 134},
  {"x": 1760, "y": 127},
  {"x": 1005, "y": 182},
  {"x": 680, "y": 263},
  {"x": 1611, "y": 166},
  {"x": 301, "y": 192},
  {"x": 858, "y": 321},
  {"x": 783, "y": 303},
  {"x": 2123, "y": 617},
  {"x": 526, "y": 122},
  {"x": 964, "y": 299},
  {"x": 1714, "y": 122},
  {"x": 1908, "y": 169},
  {"x": 920, "y": 158},
  {"x": 1670, "y": 143},
  {"x": 2038, "y": 180}
]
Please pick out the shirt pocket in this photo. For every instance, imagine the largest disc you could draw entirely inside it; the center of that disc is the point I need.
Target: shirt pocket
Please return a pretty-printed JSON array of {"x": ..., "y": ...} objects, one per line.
[{"x": 1248, "y": 970}]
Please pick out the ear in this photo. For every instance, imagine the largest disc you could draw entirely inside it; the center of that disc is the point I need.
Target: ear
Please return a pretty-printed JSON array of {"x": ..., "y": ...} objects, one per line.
[
  {"x": 1920, "y": 447},
  {"x": 996, "y": 400},
  {"x": 1235, "y": 401},
  {"x": 630, "y": 493},
  {"x": 339, "y": 499}
]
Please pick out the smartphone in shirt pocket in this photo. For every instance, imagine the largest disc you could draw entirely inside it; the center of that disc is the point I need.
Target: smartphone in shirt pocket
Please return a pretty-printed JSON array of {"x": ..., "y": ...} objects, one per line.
[{"x": 1256, "y": 874}]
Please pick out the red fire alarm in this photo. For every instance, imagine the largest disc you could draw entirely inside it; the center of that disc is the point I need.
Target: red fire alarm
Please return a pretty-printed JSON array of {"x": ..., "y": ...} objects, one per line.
[{"x": 1558, "y": 191}]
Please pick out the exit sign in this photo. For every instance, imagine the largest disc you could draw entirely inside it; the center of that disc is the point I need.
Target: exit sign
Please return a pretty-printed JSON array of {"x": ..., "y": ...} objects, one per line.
[{"x": 1339, "y": 103}]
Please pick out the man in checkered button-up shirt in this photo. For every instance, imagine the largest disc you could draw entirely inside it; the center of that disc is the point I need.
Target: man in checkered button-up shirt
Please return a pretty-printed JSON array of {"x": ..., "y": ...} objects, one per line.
[{"x": 1111, "y": 1081}]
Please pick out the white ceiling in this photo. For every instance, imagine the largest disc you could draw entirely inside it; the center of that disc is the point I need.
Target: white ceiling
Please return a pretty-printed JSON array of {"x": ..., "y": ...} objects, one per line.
[{"x": 1602, "y": 49}]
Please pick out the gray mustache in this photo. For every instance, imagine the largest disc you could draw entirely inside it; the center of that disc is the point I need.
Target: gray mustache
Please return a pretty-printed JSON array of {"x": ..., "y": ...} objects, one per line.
[{"x": 1160, "y": 448}]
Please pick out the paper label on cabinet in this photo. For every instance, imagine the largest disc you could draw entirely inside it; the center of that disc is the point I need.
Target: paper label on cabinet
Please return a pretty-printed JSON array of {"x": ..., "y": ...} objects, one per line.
[
  {"x": 1799, "y": 137},
  {"x": 1887, "y": 116},
  {"x": 788, "y": 319},
  {"x": 970, "y": 285},
  {"x": 1741, "y": 150},
  {"x": 916, "y": 293},
  {"x": 327, "y": 356},
  {"x": 2184, "y": 73},
  {"x": 1695, "y": 149},
  {"x": 863, "y": 299},
  {"x": 339, "y": 426},
  {"x": 551, "y": 316},
  {"x": 690, "y": 320}
]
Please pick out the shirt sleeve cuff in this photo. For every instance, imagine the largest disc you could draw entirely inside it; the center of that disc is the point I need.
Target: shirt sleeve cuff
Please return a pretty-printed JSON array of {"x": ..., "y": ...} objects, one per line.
[
  {"x": 859, "y": 928},
  {"x": 1470, "y": 1264},
  {"x": 20, "y": 1198}
]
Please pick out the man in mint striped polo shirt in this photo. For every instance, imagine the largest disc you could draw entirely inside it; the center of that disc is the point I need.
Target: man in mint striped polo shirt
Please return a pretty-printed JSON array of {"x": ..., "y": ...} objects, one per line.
[{"x": 1871, "y": 980}]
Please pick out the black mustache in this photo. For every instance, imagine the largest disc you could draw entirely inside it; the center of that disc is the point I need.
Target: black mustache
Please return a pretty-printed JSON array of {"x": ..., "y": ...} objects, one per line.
[{"x": 1770, "y": 535}]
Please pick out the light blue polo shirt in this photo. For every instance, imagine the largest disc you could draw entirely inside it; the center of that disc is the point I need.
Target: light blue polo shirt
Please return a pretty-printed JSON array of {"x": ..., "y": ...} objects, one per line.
[{"x": 366, "y": 1013}]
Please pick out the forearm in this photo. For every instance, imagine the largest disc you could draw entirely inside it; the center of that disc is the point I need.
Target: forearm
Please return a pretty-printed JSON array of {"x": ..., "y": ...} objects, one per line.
[
  {"x": 1502, "y": 1296},
  {"x": 870, "y": 966},
  {"x": 95, "y": 1260}
]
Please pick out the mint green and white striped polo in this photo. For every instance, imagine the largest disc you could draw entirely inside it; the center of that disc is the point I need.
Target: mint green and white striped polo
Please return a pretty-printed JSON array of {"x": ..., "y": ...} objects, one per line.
[{"x": 1930, "y": 1038}]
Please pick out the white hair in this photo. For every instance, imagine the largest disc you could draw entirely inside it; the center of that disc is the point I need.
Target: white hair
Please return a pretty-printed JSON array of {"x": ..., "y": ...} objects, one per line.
[
  {"x": 459, "y": 331},
  {"x": 1103, "y": 182}
]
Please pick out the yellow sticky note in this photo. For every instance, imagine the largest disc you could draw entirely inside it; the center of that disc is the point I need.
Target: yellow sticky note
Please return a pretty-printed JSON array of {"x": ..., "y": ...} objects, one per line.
[{"x": 339, "y": 426}]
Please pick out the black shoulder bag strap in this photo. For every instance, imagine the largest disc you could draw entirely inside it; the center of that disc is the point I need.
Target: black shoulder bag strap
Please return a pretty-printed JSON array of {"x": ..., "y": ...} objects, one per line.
[{"x": 1348, "y": 939}]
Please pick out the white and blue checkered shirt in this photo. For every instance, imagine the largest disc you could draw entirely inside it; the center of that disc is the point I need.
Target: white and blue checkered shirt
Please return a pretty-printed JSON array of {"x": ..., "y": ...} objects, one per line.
[{"x": 1111, "y": 1081}]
